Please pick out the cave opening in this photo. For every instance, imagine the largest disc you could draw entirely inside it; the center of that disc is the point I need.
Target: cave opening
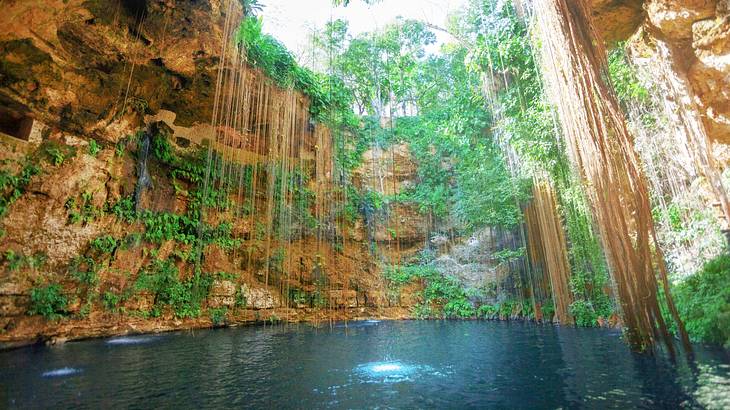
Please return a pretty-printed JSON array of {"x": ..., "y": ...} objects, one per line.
[
  {"x": 15, "y": 124},
  {"x": 135, "y": 8}
]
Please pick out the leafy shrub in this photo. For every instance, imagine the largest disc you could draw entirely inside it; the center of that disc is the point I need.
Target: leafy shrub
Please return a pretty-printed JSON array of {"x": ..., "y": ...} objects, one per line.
[
  {"x": 15, "y": 261},
  {"x": 590, "y": 301},
  {"x": 272, "y": 57},
  {"x": 444, "y": 291},
  {"x": 218, "y": 316},
  {"x": 94, "y": 147},
  {"x": 548, "y": 310},
  {"x": 703, "y": 301},
  {"x": 82, "y": 211},
  {"x": 184, "y": 297},
  {"x": 13, "y": 187},
  {"x": 121, "y": 147},
  {"x": 487, "y": 311},
  {"x": 251, "y": 7},
  {"x": 56, "y": 156},
  {"x": 123, "y": 209},
  {"x": 165, "y": 226},
  {"x": 506, "y": 255},
  {"x": 111, "y": 300},
  {"x": 105, "y": 244},
  {"x": 583, "y": 312},
  {"x": 528, "y": 311},
  {"x": 624, "y": 77},
  {"x": 56, "y": 153},
  {"x": 48, "y": 301},
  {"x": 506, "y": 308},
  {"x": 84, "y": 269},
  {"x": 459, "y": 308},
  {"x": 241, "y": 301}
]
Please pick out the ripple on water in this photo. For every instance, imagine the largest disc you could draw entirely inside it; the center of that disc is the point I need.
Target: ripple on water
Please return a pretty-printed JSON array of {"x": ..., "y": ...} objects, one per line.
[
  {"x": 65, "y": 371},
  {"x": 358, "y": 323}
]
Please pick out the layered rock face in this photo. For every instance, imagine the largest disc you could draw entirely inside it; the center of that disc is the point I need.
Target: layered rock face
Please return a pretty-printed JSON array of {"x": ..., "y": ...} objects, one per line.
[
  {"x": 81, "y": 66},
  {"x": 78, "y": 81},
  {"x": 697, "y": 33},
  {"x": 398, "y": 228}
]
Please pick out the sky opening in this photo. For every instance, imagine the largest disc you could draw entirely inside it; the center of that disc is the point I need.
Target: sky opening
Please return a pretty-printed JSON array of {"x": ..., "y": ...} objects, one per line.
[{"x": 291, "y": 21}]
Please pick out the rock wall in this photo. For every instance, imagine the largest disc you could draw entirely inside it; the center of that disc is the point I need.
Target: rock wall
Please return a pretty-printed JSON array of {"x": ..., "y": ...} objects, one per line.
[
  {"x": 397, "y": 228},
  {"x": 681, "y": 48},
  {"x": 83, "y": 65},
  {"x": 697, "y": 33},
  {"x": 78, "y": 81}
]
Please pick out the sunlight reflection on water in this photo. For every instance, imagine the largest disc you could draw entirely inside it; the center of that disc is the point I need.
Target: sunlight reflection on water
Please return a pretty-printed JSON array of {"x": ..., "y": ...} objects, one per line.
[
  {"x": 66, "y": 371},
  {"x": 393, "y": 372},
  {"x": 713, "y": 390},
  {"x": 131, "y": 340}
]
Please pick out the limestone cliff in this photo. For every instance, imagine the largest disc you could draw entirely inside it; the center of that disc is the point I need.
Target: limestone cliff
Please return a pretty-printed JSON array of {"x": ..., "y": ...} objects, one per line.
[
  {"x": 105, "y": 112},
  {"x": 697, "y": 33}
]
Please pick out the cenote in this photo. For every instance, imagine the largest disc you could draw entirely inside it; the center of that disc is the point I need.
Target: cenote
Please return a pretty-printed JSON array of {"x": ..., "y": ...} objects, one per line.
[
  {"x": 369, "y": 364},
  {"x": 530, "y": 196}
]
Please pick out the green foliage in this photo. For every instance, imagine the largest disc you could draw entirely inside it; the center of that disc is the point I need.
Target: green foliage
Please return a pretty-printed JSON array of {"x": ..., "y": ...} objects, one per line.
[
  {"x": 57, "y": 153},
  {"x": 487, "y": 311},
  {"x": 111, "y": 300},
  {"x": 218, "y": 316},
  {"x": 184, "y": 297},
  {"x": 672, "y": 214},
  {"x": 371, "y": 202},
  {"x": 48, "y": 301},
  {"x": 165, "y": 226},
  {"x": 328, "y": 96},
  {"x": 485, "y": 195},
  {"x": 443, "y": 296},
  {"x": 162, "y": 150},
  {"x": 624, "y": 79},
  {"x": 459, "y": 308},
  {"x": 506, "y": 308},
  {"x": 121, "y": 147},
  {"x": 56, "y": 156},
  {"x": 241, "y": 301},
  {"x": 15, "y": 261},
  {"x": 84, "y": 270},
  {"x": 703, "y": 301},
  {"x": 448, "y": 293},
  {"x": 251, "y": 7},
  {"x": 347, "y": 2},
  {"x": 13, "y": 187},
  {"x": 94, "y": 147},
  {"x": 584, "y": 313},
  {"x": 105, "y": 244},
  {"x": 276, "y": 261},
  {"x": 123, "y": 209},
  {"x": 298, "y": 297},
  {"x": 591, "y": 302},
  {"x": 402, "y": 274},
  {"x": 506, "y": 255},
  {"x": 82, "y": 210},
  {"x": 548, "y": 310},
  {"x": 502, "y": 47},
  {"x": 190, "y": 168}
]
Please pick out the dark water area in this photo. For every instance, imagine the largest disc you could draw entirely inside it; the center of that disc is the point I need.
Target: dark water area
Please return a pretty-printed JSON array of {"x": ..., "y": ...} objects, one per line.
[{"x": 410, "y": 364}]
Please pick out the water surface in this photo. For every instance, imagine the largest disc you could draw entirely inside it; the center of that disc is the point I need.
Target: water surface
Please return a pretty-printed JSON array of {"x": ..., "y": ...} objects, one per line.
[{"x": 421, "y": 364}]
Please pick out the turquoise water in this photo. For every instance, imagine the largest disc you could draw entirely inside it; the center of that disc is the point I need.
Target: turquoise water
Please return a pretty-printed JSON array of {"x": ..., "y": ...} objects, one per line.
[{"x": 410, "y": 364}]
